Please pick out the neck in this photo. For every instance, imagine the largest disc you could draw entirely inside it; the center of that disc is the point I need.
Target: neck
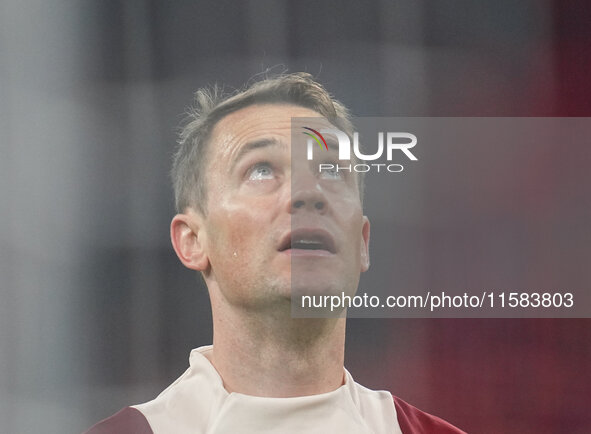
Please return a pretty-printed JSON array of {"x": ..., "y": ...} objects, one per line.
[{"x": 271, "y": 354}]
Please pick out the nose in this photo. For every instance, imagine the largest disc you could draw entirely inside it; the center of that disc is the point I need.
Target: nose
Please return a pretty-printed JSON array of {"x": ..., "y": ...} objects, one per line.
[{"x": 307, "y": 195}]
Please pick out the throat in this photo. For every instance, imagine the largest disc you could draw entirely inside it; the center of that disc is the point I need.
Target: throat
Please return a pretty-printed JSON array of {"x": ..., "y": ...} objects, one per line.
[{"x": 282, "y": 363}]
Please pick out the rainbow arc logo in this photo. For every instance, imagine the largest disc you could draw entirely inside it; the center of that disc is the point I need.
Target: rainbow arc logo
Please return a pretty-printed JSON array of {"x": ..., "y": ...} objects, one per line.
[{"x": 316, "y": 138}]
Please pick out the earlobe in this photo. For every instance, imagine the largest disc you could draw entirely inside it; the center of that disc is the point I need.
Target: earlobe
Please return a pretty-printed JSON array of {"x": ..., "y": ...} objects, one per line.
[
  {"x": 365, "y": 230},
  {"x": 188, "y": 240}
]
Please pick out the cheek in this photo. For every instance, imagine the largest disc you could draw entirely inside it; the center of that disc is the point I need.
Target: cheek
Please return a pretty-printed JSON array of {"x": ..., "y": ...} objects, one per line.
[
  {"x": 351, "y": 215},
  {"x": 231, "y": 232},
  {"x": 352, "y": 224}
]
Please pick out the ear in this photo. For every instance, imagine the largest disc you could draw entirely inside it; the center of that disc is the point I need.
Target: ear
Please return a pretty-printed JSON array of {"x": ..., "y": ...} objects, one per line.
[
  {"x": 365, "y": 244},
  {"x": 187, "y": 234}
]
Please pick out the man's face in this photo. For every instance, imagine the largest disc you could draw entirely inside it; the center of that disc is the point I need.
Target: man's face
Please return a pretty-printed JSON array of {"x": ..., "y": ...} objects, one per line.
[{"x": 270, "y": 215}]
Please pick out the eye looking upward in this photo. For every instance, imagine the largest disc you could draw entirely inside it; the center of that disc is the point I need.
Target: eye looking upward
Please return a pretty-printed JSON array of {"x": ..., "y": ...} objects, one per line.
[{"x": 260, "y": 172}]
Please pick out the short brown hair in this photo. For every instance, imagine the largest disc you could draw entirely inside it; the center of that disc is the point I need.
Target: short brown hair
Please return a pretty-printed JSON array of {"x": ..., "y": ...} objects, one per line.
[{"x": 212, "y": 104}]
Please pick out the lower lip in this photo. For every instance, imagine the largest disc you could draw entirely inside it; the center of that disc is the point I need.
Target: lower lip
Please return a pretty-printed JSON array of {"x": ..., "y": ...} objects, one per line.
[{"x": 307, "y": 253}]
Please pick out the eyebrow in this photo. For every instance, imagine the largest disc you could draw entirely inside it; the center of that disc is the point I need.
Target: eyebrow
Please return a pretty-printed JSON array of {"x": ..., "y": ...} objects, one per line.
[{"x": 251, "y": 146}]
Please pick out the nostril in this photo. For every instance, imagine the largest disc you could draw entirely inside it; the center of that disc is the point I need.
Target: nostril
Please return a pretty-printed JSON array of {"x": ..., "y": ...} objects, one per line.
[
  {"x": 319, "y": 205},
  {"x": 298, "y": 204}
]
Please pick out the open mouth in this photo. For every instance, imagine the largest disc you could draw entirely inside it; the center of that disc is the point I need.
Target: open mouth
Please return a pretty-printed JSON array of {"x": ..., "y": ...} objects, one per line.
[{"x": 305, "y": 239}]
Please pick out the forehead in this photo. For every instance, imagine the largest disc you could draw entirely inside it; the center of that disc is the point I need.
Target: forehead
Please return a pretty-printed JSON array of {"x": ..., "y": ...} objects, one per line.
[{"x": 256, "y": 122}]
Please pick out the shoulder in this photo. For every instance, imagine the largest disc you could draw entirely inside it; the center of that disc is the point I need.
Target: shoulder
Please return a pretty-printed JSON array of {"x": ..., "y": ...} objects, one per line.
[
  {"x": 129, "y": 421},
  {"x": 414, "y": 421}
]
